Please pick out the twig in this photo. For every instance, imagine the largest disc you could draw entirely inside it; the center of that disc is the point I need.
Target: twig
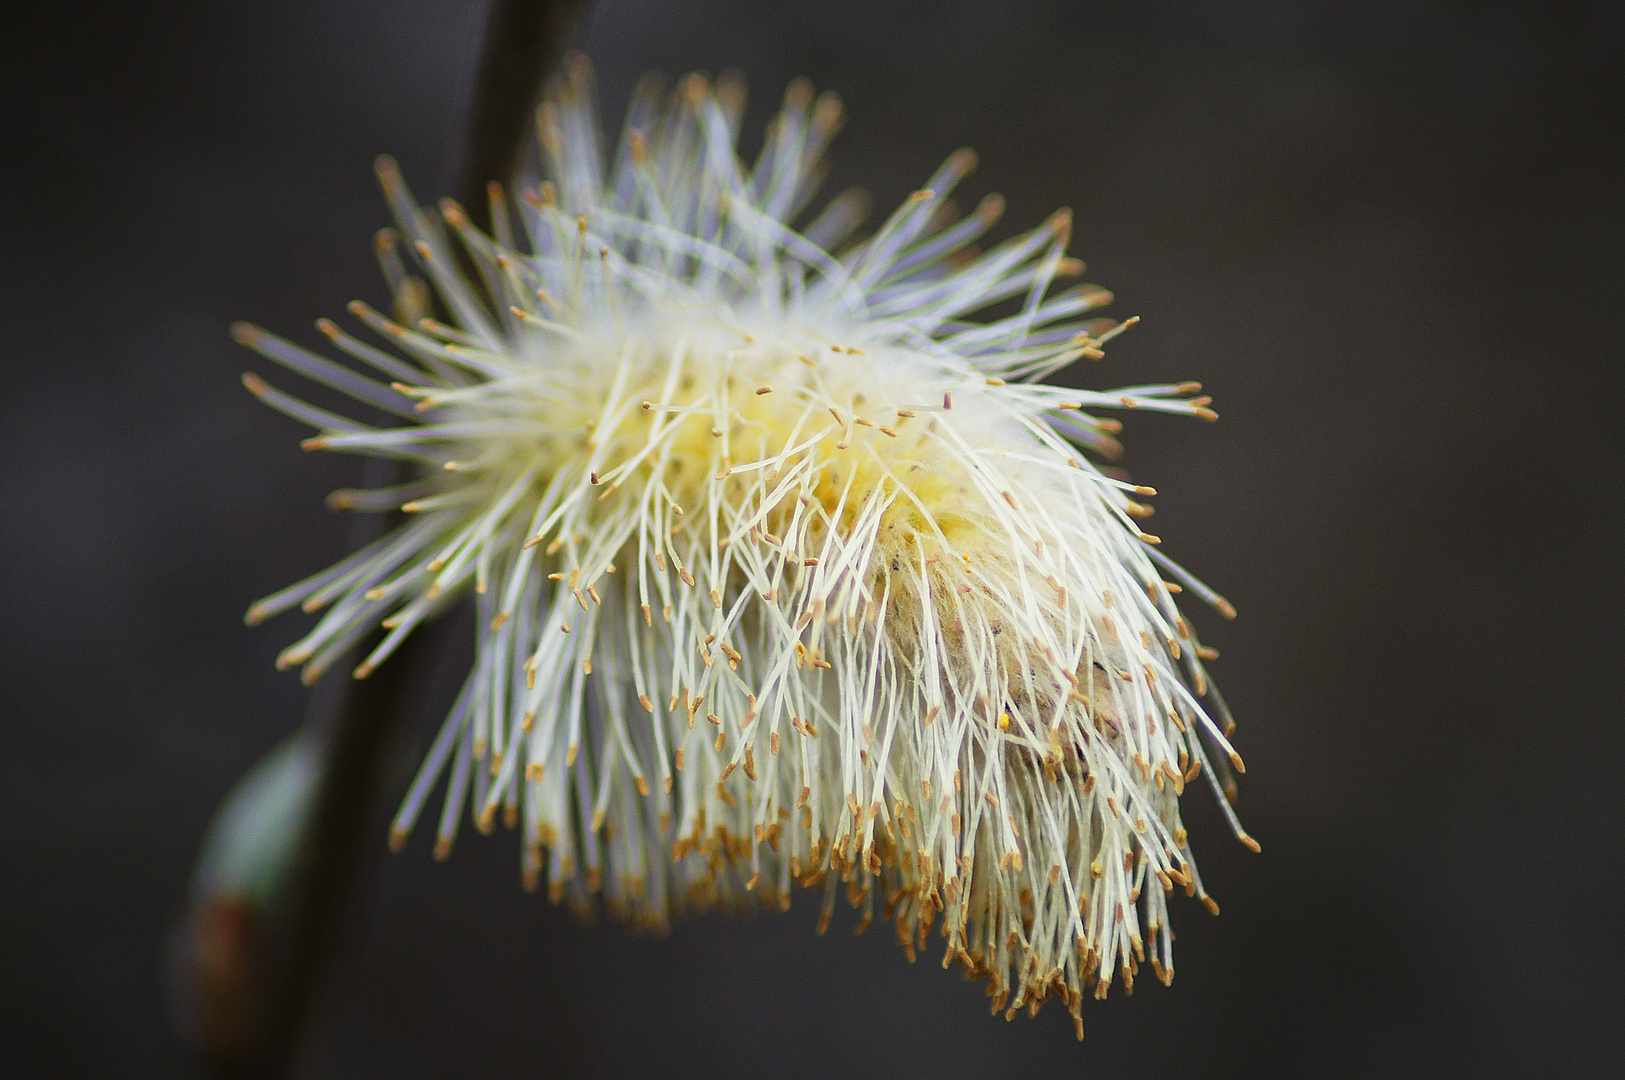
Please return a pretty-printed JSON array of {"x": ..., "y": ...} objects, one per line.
[
  {"x": 356, "y": 720},
  {"x": 524, "y": 40}
]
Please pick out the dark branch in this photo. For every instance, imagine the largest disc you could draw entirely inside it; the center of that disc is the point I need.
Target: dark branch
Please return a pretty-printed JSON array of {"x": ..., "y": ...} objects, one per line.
[
  {"x": 524, "y": 40},
  {"x": 356, "y": 721}
]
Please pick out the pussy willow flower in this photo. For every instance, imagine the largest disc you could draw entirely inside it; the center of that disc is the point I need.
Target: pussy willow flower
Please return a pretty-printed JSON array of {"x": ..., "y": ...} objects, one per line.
[{"x": 789, "y": 569}]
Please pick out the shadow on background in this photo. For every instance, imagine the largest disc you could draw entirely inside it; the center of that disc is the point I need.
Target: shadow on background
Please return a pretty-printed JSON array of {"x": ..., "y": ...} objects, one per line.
[{"x": 1388, "y": 237}]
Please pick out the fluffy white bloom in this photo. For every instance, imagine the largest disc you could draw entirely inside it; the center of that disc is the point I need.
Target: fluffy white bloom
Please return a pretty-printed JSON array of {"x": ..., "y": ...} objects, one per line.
[{"x": 788, "y": 570}]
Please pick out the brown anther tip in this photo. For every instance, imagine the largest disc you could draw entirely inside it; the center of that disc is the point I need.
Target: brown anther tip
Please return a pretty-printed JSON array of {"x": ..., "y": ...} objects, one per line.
[
  {"x": 254, "y": 383},
  {"x": 963, "y": 160},
  {"x": 363, "y": 670},
  {"x": 397, "y": 841},
  {"x": 696, "y": 88},
  {"x": 389, "y": 173},
  {"x": 1149, "y": 539},
  {"x": 453, "y": 213},
  {"x": 1235, "y": 759},
  {"x": 385, "y": 239},
  {"x": 760, "y": 390},
  {"x": 828, "y": 111},
  {"x": 357, "y": 308},
  {"x": 577, "y": 67},
  {"x": 1224, "y": 607},
  {"x": 1205, "y": 413},
  {"x": 315, "y": 442},
  {"x": 245, "y": 333},
  {"x": 1143, "y": 490},
  {"x": 799, "y": 94}
]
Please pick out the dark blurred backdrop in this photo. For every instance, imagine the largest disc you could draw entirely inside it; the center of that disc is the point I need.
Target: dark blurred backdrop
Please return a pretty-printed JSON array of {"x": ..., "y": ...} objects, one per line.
[{"x": 1386, "y": 235}]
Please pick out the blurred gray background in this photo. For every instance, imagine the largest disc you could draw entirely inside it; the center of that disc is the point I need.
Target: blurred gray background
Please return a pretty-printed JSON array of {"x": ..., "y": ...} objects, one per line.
[{"x": 1388, "y": 238}]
